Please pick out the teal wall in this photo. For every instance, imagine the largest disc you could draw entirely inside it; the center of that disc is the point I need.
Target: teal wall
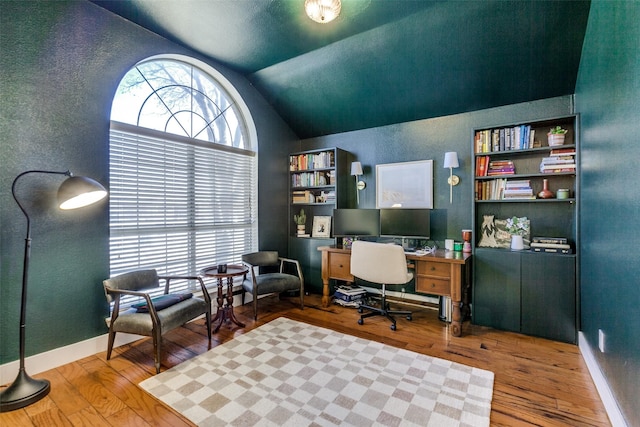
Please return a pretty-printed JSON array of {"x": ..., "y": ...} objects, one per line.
[
  {"x": 430, "y": 139},
  {"x": 608, "y": 98},
  {"x": 61, "y": 63}
]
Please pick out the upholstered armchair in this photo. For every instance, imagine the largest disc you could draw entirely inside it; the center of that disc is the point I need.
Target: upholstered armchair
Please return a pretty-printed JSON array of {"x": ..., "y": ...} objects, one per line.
[
  {"x": 262, "y": 283},
  {"x": 154, "y": 316}
]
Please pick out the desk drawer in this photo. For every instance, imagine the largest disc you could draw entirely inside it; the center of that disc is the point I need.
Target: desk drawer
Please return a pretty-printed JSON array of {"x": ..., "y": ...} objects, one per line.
[
  {"x": 429, "y": 285},
  {"x": 431, "y": 268},
  {"x": 340, "y": 267}
]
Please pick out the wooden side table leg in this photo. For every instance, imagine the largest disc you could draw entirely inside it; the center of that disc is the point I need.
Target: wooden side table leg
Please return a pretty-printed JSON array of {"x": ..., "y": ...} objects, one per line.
[
  {"x": 220, "y": 313},
  {"x": 229, "y": 308}
]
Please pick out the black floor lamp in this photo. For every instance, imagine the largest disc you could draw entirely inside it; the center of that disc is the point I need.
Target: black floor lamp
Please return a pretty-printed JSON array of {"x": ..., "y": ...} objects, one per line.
[{"x": 74, "y": 192}]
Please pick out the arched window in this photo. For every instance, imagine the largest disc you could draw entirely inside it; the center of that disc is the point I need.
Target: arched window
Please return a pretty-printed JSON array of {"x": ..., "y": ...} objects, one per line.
[{"x": 183, "y": 175}]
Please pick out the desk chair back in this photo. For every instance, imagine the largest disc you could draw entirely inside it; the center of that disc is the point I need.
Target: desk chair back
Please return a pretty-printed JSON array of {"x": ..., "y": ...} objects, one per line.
[{"x": 379, "y": 263}]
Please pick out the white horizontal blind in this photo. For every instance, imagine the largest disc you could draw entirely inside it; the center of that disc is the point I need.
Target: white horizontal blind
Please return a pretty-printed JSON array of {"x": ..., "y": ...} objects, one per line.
[{"x": 178, "y": 204}]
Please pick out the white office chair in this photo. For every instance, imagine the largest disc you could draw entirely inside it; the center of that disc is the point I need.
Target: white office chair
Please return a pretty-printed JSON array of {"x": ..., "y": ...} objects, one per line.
[{"x": 381, "y": 263}]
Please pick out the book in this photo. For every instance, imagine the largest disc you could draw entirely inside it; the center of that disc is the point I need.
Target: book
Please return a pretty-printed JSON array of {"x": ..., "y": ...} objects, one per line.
[
  {"x": 351, "y": 290},
  {"x": 563, "y": 152},
  {"x": 559, "y": 170},
  {"x": 539, "y": 239},
  {"x": 544, "y": 166},
  {"x": 550, "y": 245},
  {"x": 348, "y": 298},
  {"x": 553, "y": 250}
]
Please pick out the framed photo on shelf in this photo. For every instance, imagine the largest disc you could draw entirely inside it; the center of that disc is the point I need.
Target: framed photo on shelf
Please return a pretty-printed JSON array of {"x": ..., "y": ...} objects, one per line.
[
  {"x": 321, "y": 226},
  {"x": 405, "y": 185}
]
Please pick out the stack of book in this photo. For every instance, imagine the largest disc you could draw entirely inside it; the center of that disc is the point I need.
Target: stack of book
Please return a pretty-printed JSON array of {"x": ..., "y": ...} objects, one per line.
[
  {"x": 556, "y": 245},
  {"x": 559, "y": 160},
  {"x": 518, "y": 189},
  {"x": 501, "y": 167},
  {"x": 349, "y": 295},
  {"x": 486, "y": 167}
]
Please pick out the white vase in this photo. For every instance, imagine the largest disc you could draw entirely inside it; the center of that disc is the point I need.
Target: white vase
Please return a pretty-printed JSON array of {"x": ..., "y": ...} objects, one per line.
[
  {"x": 517, "y": 243},
  {"x": 555, "y": 139}
]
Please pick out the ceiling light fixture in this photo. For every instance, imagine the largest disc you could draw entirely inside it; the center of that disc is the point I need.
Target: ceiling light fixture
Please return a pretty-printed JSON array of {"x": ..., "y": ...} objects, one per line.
[{"x": 322, "y": 11}]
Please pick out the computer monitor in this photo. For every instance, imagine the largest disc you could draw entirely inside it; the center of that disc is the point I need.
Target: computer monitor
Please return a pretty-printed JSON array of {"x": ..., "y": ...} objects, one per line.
[
  {"x": 356, "y": 222},
  {"x": 410, "y": 223}
]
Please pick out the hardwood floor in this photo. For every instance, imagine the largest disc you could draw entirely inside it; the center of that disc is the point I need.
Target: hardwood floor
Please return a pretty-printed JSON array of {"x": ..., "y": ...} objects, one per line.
[{"x": 537, "y": 382}]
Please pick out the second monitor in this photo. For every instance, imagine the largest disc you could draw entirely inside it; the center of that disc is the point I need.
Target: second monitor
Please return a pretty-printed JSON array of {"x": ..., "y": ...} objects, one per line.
[{"x": 408, "y": 223}]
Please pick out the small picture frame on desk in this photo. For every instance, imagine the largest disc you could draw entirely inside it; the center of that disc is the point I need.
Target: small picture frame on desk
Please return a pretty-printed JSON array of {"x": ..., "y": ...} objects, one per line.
[{"x": 321, "y": 226}]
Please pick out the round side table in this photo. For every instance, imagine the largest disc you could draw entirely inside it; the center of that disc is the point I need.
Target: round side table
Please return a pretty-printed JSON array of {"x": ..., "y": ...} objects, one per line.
[{"x": 225, "y": 311}]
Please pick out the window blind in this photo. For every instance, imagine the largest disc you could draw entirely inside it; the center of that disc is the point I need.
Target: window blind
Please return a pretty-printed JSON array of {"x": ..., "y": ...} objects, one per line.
[{"x": 178, "y": 204}]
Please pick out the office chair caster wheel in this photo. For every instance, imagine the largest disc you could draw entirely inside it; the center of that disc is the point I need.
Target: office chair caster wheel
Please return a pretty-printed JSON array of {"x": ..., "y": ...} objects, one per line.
[
  {"x": 360, "y": 310},
  {"x": 409, "y": 317},
  {"x": 393, "y": 326},
  {"x": 360, "y": 321}
]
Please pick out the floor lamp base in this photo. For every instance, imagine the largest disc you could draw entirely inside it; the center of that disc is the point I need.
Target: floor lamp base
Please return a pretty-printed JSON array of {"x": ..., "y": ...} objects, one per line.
[{"x": 23, "y": 392}]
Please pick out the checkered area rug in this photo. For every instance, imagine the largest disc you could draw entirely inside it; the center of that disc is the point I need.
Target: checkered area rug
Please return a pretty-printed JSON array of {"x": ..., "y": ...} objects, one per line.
[{"x": 288, "y": 373}]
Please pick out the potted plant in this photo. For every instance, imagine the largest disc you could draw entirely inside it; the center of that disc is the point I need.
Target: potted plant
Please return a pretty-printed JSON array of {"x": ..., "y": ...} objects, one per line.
[
  {"x": 300, "y": 221},
  {"x": 556, "y": 136}
]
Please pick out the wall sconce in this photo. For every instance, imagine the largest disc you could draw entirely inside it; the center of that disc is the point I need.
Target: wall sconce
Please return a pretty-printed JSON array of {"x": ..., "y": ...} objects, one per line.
[
  {"x": 451, "y": 161},
  {"x": 356, "y": 170}
]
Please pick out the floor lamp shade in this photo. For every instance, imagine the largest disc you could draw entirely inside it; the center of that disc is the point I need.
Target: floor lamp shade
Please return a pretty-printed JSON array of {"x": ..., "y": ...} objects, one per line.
[{"x": 74, "y": 192}]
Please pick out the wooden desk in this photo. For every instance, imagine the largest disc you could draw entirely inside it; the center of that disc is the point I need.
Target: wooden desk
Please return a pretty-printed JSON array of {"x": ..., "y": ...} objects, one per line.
[{"x": 443, "y": 273}]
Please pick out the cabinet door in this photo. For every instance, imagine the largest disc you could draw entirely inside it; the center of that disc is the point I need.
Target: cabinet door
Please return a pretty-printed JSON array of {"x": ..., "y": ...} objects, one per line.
[
  {"x": 305, "y": 250},
  {"x": 496, "y": 289},
  {"x": 549, "y": 296}
]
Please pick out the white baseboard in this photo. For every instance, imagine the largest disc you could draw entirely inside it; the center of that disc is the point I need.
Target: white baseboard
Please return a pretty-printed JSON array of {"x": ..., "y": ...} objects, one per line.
[
  {"x": 609, "y": 401},
  {"x": 61, "y": 356}
]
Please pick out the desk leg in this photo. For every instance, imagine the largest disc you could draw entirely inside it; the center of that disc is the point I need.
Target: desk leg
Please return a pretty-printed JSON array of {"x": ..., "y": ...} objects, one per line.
[
  {"x": 456, "y": 319},
  {"x": 456, "y": 297},
  {"x": 325, "y": 279}
]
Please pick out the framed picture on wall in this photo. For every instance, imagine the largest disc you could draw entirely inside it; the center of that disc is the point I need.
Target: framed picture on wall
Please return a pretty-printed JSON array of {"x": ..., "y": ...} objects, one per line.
[
  {"x": 321, "y": 226},
  {"x": 407, "y": 185}
]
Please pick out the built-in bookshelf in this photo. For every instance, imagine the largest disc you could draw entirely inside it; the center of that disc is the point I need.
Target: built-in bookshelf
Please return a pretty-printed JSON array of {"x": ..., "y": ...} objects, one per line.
[
  {"x": 533, "y": 290},
  {"x": 318, "y": 183}
]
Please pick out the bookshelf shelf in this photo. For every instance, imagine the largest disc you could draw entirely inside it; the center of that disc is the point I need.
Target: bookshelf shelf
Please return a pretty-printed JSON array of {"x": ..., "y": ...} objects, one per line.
[
  {"x": 319, "y": 182},
  {"x": 526, "y": 291},
  {"x": 570, "y": 201}
]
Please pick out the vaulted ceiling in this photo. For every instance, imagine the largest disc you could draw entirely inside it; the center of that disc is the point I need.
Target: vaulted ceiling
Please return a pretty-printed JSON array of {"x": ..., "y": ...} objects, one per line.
[{"x": 381, "y": 61}]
